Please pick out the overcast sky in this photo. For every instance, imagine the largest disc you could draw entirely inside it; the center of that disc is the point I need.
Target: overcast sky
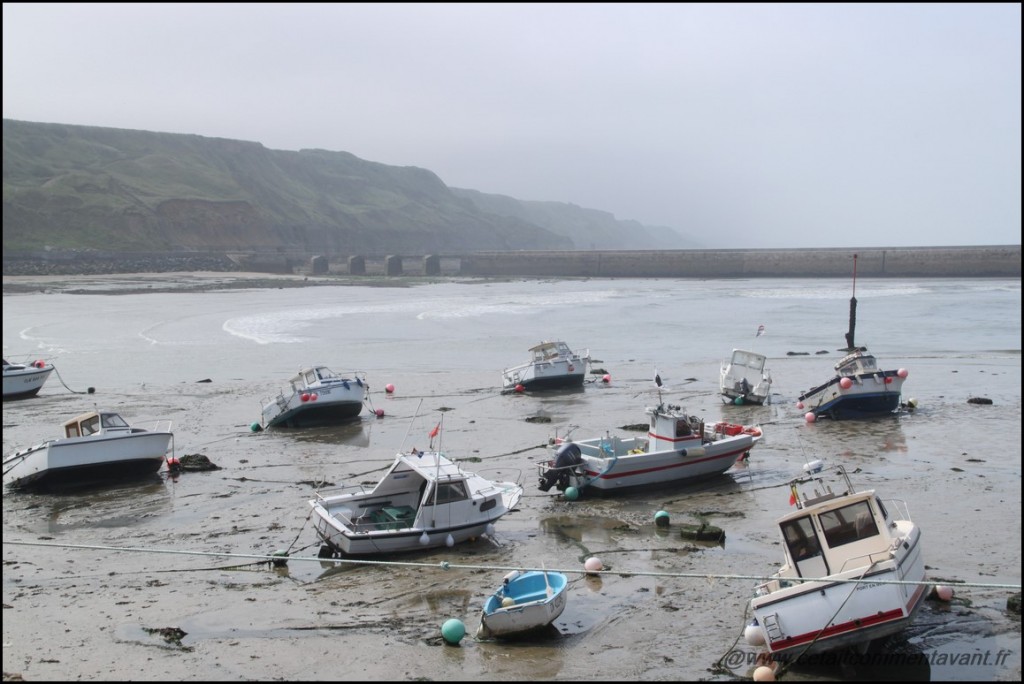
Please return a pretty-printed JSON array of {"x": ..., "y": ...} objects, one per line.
[{"x": 763, "y": 125}]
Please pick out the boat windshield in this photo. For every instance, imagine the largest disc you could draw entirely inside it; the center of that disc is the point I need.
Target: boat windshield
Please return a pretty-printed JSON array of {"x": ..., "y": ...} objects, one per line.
[
  {"x": 113, "y": 420},
  {"x": 848, "y": 524},
  {"x": 749, "y": 359},
  {"x": 800, "y": 538}
]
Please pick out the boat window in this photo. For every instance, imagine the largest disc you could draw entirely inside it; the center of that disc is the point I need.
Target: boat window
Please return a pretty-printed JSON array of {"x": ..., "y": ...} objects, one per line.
[
  {"x": 112, "y": 420},
  {"x": 848, "y": 524},
  {"x": 90, "y": 425},
  {"x": 448, "y": 492},
  {"x": 682, "y": 427},
  {"x": 488, "y": 505},
  {"x": 801, "y": 539}
]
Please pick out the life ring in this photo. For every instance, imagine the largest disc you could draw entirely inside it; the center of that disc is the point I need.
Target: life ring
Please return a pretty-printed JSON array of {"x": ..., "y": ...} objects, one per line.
[{"x": 751, "y": 430}]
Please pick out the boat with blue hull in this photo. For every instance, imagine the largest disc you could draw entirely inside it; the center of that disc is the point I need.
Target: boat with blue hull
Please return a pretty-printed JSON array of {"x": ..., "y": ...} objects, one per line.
[
  {"x": 552, "y": 365},
  {"x": 859, "y": 388},
  {"x": 317, "y": 397},
  {"x": 526, "y": 602}
]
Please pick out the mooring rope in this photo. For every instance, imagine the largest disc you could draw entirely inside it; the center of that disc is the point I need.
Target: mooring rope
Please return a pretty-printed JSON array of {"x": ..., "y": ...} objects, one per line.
[
  {"x": 88, "y": 391},
  {"x": 446, "y": 565}
]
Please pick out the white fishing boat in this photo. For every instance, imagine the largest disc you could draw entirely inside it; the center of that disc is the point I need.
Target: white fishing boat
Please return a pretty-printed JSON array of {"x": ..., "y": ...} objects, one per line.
[
  {"x": 97, "y": 447},
  {"x": 678, "y": 448},
  {"x": 317, "y": 396},
  {"x": 24, "y": 380},
  {"x": 859, "y": 388},
  {"x": 744, "y": 379},
  {"x": 853, "y": 572},
  {"x": 553, "y": 365},
  {"x": 423, "y": 501},
  {"x": 526, "y": 601}
]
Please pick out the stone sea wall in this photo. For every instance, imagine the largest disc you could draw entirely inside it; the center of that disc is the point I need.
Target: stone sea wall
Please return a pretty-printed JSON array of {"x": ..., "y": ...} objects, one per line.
[{"x": 891, "y": 262}]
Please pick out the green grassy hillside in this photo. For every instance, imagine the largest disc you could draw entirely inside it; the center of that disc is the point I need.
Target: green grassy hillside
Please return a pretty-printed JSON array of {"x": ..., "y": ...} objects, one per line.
[{"x": 83, "y": 187}]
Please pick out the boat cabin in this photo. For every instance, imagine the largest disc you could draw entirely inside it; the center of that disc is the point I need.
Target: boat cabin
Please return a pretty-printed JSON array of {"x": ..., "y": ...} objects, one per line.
[
  {"x": 95, "y": 422},
  {"x": 548, "y": 351},
  {"x": 833, "y": 533},
  {"x": 856, "y": 363},
  {"x": 671, "y": 428}
]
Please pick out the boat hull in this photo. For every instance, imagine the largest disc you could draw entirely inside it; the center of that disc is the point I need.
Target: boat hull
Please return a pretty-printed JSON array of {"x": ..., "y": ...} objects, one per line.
[
  {"x": 546, "y": 376},
  {"x": 818, "y": 617},
  {"x": 351, "y": 543},
  {"x": 25, "y": 383},
  {"x": 533, "y": 607},
  {"x": 87, "y": 460},
  {"x": 618, "y": 469},
  {"x": 317, "y": 414},
  {"x": 869, "y": 396}
]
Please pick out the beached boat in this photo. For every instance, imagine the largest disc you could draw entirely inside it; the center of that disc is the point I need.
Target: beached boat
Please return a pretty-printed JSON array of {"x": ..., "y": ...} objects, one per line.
[
  {"x": 553, "y": 365},
  {"x": 97, "y": 447},
  {"x": 317, "y": 396},
  {"x": 424, "y": 500},
  {"x": 24, "y": 380},
  {"x": 526, "y": 601},
  {"x": 678, "y": 448},
  {"x": 859, "y": 388},
  {"x": 744, "y": 378},
  {"x": 853, "y": 572}
]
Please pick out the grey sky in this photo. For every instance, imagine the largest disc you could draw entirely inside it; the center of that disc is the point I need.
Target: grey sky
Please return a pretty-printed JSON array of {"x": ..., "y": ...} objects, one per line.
[{"x": 763, "y": 125}]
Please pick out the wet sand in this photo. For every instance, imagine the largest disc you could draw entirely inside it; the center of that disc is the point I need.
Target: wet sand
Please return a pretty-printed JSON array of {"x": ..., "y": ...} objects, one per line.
[{"x": 663, "y": 609}]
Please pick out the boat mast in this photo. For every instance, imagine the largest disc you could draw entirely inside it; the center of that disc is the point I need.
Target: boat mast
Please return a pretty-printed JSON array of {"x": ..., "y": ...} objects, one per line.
[{"x": 850, "y": 346}]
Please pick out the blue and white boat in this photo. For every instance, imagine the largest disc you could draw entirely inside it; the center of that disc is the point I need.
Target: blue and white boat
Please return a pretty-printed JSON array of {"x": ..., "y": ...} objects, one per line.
[
  {"x": 553, "y": 365},
  {"x": 526, "y": 602},
  {"x": 317, "y": 396},
  {"x": 859, "y": 388}
]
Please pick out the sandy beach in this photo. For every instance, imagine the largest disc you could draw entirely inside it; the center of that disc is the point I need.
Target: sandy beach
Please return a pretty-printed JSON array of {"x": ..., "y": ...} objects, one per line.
[{"x": 155, "y": 581}]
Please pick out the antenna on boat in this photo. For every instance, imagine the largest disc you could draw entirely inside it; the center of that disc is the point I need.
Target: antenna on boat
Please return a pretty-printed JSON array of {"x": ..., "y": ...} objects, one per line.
[
  {"x": 411, "y": 423},
  {"x": 850, "y": 346}
]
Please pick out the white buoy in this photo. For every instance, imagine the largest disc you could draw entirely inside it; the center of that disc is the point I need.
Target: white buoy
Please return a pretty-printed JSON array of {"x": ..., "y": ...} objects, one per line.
[
  {"x": 489, "y": 530},
  {"x": 753, "y": 634},
  {"x": 945, "y": 593},
  {"x": 449, "y": 541},
  {"x": 764, "y": 674},
  {"x": 593, "y": 564},
  {"x": 814, "y": 466},
  {"x": 424, "y": 539}
]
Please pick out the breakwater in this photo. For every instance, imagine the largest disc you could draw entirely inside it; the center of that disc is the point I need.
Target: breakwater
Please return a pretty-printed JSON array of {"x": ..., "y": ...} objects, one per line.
[{"x": 887, "y": 262}]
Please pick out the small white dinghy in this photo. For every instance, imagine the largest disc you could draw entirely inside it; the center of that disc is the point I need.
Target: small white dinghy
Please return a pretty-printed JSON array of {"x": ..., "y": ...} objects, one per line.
[{"x": 526, "y": 601}]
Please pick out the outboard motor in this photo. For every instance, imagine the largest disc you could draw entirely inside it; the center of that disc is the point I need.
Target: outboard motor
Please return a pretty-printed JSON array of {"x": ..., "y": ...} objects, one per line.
[{"x": 567, "y": 457}]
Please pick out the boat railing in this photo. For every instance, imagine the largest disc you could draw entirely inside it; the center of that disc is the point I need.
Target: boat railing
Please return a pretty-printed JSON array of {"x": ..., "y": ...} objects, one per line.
[
  {"x": 865, "y": 560},
  {"x": 499, "y": 477},
  {"x": 900, "y": 509},
  {"x": 321, "y": 495},
  {"x": 157, "y": 425}
]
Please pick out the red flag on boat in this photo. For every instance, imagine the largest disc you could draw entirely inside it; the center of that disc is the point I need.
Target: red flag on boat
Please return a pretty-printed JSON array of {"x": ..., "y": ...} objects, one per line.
[
  {"x": 437, "y": 429},
  {"x": 792, "y": 495}
]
